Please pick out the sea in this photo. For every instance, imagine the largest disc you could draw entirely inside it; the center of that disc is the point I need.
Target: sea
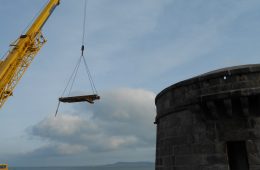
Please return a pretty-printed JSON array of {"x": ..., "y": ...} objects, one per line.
[
  {"x": 118, "y": 166},
  {"x": 82, "y": 168}
]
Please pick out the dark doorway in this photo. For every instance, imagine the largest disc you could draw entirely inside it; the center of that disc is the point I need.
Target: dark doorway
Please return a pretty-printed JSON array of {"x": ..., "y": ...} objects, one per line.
[{"x": 237, "y": 155}]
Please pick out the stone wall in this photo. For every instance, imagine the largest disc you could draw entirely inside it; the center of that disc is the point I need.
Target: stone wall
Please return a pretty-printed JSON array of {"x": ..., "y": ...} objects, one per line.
[{"x": 196, "y": 118}]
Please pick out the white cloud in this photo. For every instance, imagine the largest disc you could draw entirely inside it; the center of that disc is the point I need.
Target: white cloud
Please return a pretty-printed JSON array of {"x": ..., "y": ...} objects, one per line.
[
  {"x": 67, "y": 149},
  {"x": 65, "y": 125},
  {"x": 122, "y": 119}
]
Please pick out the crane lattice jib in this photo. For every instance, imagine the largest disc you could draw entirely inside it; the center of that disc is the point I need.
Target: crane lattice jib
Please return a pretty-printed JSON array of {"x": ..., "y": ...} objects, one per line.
[{"x": 22, "y": 52}]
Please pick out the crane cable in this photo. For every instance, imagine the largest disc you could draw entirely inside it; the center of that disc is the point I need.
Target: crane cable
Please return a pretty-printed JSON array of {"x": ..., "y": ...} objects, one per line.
[
  {"x": 82, "y": 57},
  {"x": 93, "y": 87}
]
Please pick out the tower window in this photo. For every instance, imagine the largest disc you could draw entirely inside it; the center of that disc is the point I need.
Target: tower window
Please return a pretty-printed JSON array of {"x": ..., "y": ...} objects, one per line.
[{"x": 237, "y": 155}]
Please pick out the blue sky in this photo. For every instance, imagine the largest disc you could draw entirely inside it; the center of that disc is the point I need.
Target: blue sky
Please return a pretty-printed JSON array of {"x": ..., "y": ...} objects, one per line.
[{"x": 135, "y": 49}]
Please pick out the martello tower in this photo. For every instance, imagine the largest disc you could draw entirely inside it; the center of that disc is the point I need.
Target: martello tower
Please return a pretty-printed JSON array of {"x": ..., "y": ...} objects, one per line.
[{"x": 210, "y": 122}]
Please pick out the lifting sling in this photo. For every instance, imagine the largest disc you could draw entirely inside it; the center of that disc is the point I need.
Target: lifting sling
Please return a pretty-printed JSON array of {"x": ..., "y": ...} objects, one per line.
[{"x": 82, "y": 98}]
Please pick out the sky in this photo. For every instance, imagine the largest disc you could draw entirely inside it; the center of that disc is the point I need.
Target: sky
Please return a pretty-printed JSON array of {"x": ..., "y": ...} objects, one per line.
[{"x": 134, "y": 49}]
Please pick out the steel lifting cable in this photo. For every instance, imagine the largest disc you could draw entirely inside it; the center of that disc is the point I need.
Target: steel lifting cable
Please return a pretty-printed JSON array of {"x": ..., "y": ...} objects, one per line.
[
  {"x": 82, "y": 57},
  {"x": 72, "y": 78},
  {"x": 84, "y": 26},
  {"x": 68, "y": 83},
  {"x": 94, "y": 90}
]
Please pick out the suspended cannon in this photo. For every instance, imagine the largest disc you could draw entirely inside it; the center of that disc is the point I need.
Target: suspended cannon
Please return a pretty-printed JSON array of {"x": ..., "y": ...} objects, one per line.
[{"x": 75, "y": 99}]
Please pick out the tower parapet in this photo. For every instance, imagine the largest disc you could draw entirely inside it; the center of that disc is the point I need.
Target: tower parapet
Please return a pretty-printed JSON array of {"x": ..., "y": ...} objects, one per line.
[{"x": 211, "y": 121}]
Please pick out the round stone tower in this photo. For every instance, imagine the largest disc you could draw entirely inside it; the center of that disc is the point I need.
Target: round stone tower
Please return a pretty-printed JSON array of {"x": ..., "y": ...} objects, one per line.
[{"x": 210, "y": 122}]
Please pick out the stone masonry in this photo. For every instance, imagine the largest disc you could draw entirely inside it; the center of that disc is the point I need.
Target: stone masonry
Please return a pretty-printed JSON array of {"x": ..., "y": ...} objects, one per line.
[{"x": 210, "y": 122}]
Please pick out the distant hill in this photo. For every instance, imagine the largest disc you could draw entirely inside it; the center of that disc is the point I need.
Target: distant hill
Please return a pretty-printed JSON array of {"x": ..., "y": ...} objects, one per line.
[
  {"x": 131, "y": 164},
  {"x": 115, "y": 166}
]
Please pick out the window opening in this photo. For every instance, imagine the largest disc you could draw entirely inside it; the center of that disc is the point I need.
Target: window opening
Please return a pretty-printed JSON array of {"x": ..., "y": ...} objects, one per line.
[{"x": 237, "y": 155}]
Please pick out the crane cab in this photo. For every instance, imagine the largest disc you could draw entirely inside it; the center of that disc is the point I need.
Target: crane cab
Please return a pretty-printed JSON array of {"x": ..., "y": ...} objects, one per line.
[{"x": 3, "y": 167}]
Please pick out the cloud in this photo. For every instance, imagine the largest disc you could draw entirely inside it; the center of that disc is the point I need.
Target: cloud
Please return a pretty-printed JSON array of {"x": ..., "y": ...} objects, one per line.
[
  {"x": 56, "y": 150},
  {"x": 122, "y": 119},
  {"x": 63, "y": 126}
]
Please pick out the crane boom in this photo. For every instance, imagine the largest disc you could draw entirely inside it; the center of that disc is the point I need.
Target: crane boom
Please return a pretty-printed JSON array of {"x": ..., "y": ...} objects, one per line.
[{"x": 22, "y": 52}]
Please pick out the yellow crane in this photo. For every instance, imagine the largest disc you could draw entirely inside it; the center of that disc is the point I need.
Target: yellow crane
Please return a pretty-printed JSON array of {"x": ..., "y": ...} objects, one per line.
[{"x": 22, "y": 52}]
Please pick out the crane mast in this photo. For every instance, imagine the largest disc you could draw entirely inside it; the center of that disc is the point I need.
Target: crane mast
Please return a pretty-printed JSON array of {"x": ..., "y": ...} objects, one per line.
[{"x": 22, "y": 52}]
